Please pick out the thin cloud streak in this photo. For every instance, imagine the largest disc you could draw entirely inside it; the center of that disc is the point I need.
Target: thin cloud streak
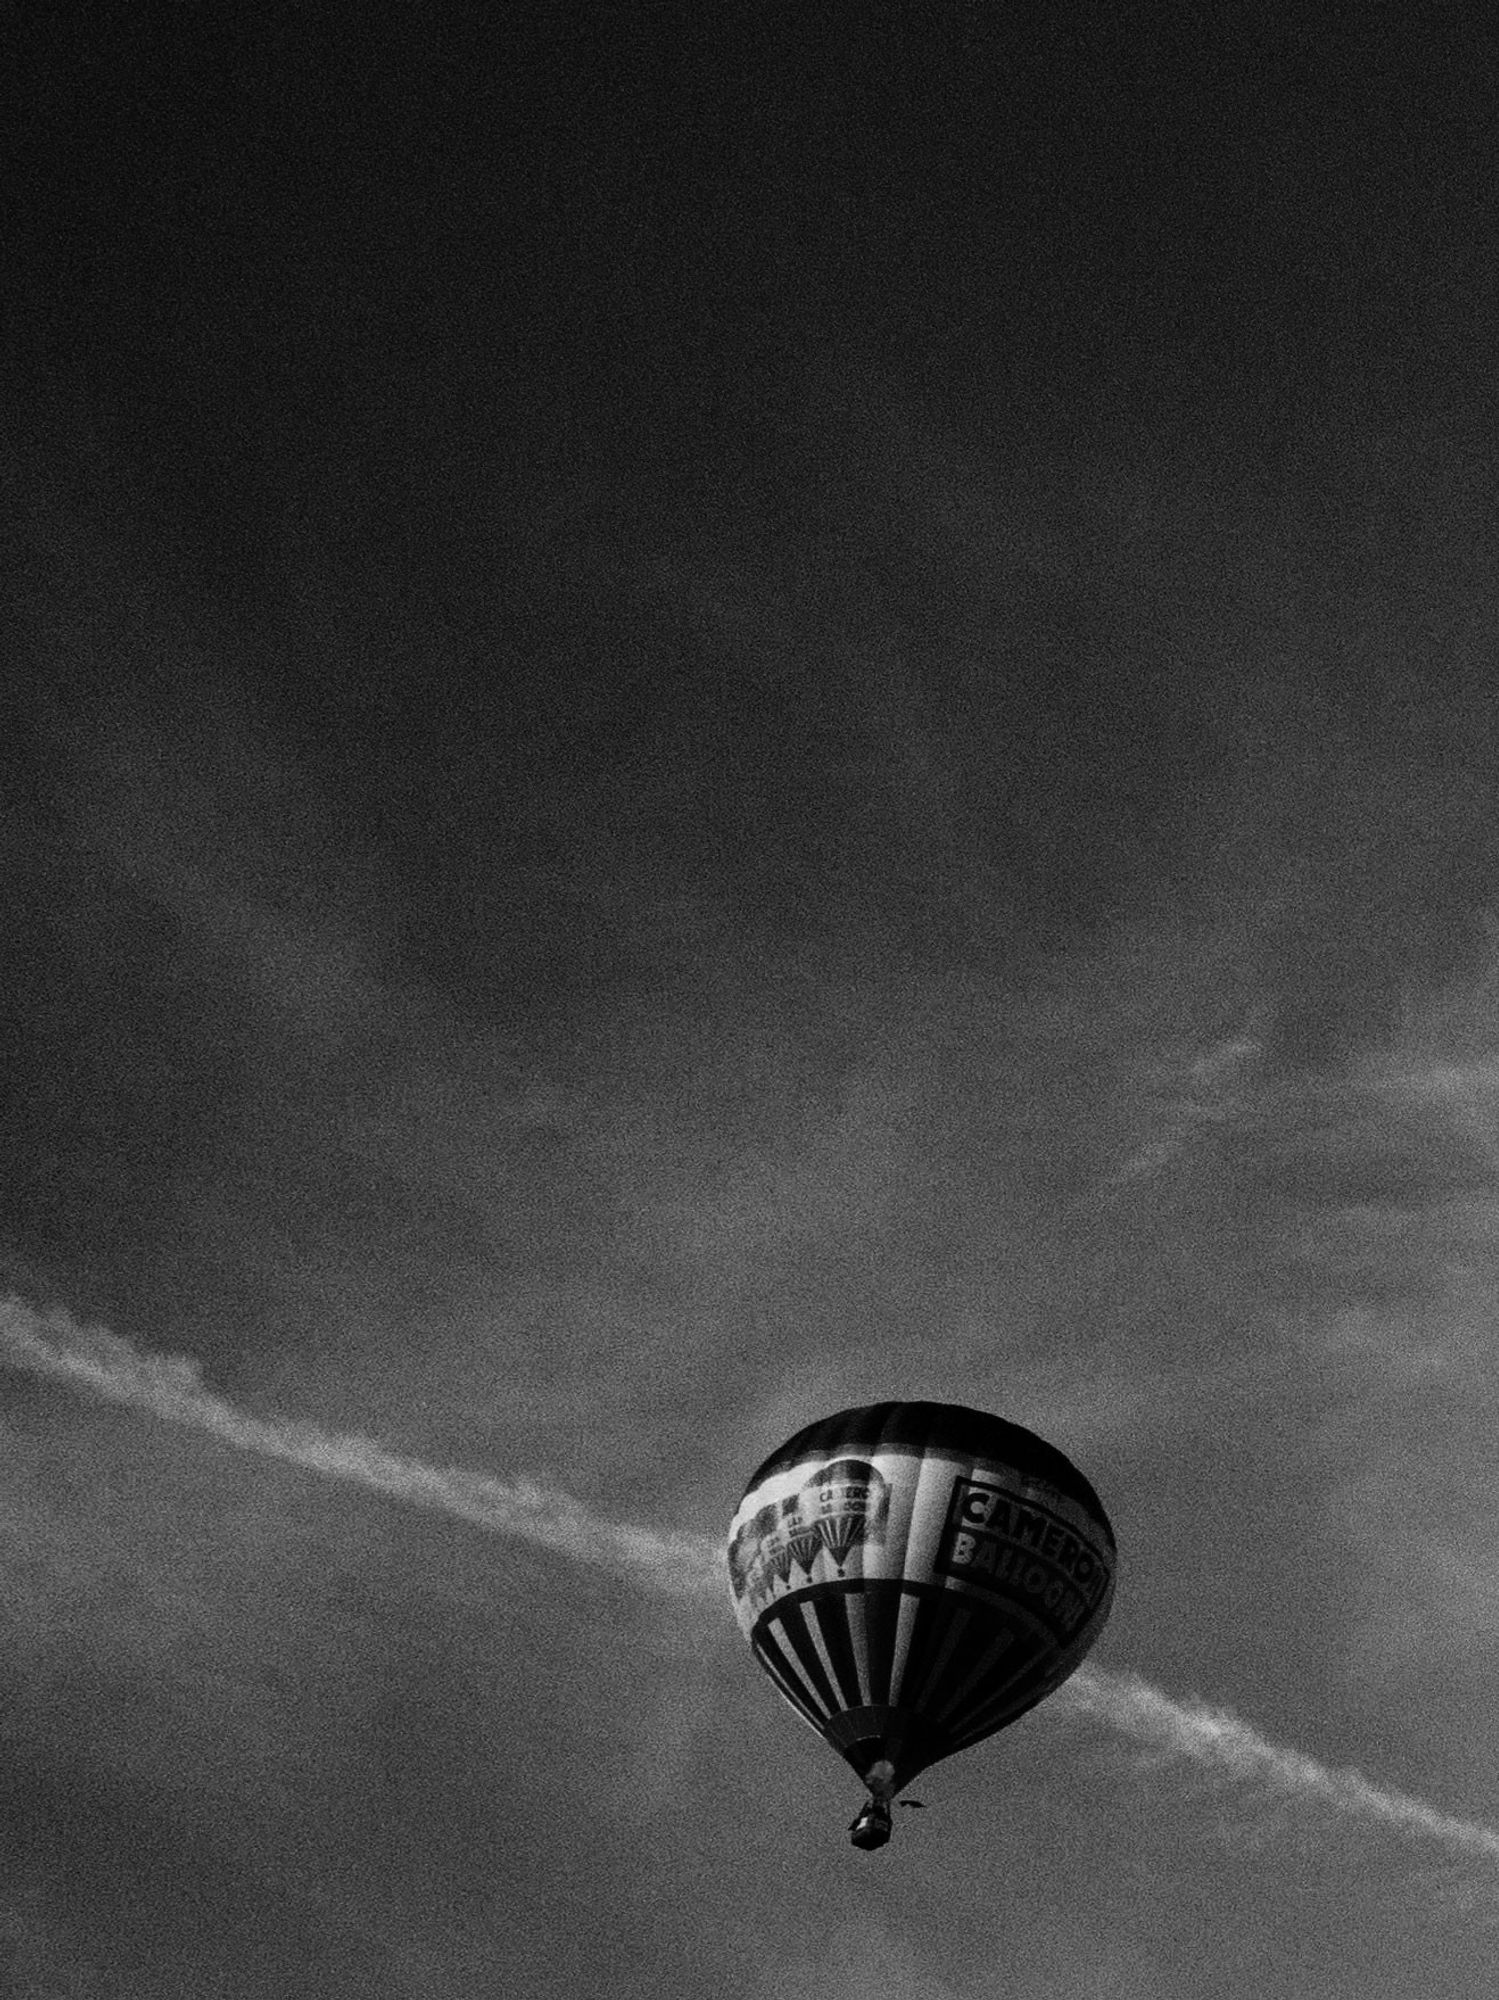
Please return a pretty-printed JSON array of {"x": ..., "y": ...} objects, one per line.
[
  {"x": 1219, "y": 1740},
  {"x": 105, "y": 1365},
  {"x": 682, "y": 1564}
]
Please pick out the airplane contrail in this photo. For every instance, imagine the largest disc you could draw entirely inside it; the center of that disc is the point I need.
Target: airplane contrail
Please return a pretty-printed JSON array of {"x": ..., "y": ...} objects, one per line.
[
  {"x": 170, "y": 1386},
  {"x": 1214, "y": 1738},
  {"x": 678, "y": 1563}
]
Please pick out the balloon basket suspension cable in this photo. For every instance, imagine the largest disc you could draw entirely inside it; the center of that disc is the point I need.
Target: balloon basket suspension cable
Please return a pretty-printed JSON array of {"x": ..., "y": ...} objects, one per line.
[{"x": 871, "y": 1825}]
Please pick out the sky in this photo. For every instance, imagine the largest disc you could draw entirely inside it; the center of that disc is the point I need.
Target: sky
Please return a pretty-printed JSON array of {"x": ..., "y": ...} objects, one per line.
[{"x": 717, "y": 712}]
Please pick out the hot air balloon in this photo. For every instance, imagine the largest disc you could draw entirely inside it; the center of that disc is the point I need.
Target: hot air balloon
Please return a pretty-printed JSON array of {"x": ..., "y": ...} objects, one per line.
[{"x": 914, "y": 1577}]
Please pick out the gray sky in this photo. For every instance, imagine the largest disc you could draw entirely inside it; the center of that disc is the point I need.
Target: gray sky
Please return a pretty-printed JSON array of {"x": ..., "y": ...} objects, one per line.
[{"x": 703, "y": 730}]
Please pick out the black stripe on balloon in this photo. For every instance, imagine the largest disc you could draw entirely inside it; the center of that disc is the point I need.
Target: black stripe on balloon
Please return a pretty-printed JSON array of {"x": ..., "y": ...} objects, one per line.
[
  {"x": 934, "y": 1615},
  {"x": 881, "y": 1621},
  {"x": 1015, "y": 1675},
  {"x": 993, "y": 1721},
  {"x": 975, "y": 1680},
  {"x": 1008, "y": 1696},
  {"x": 990, "y": 1725},
  {"x": 792, "y": 1619},
  {"x": 783, "y": 1672},
  {"x": 941, "y": 1675},
  {"x": 998, "y": 1687},
  {"x": 831, "y": 1614}
]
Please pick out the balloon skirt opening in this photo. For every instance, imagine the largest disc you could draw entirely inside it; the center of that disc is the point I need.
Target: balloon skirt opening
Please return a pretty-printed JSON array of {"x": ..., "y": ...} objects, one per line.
[{"x": 887, "y": 1746}]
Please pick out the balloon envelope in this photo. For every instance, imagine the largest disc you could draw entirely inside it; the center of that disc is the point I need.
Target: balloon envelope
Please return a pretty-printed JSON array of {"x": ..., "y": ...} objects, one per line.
[{"x": 914, "y": 1576}]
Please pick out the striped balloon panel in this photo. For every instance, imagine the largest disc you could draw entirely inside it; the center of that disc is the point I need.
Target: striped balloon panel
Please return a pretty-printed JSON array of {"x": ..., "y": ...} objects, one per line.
[{"x": 961, "y": 1673}]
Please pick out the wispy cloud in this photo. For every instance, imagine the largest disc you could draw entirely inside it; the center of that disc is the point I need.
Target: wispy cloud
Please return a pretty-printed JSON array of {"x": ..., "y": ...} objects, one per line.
[
  {"x": 104, "y": 1364},
  {"x": 1213, "y": 1738}
]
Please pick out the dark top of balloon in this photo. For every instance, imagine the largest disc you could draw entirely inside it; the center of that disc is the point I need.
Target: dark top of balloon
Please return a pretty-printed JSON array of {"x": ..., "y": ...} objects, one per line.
[{"x": 937, "y": 1427}]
